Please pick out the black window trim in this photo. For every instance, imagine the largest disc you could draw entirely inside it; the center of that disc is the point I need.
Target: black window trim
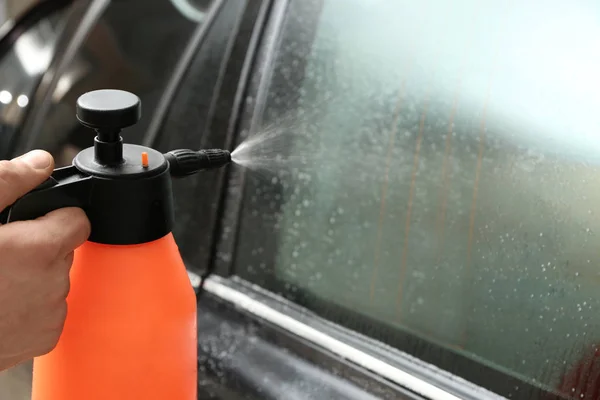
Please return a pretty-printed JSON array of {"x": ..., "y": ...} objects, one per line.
[
  {"x": 312, "y": 371},
  {"x": 196, "y": 41},
  {"x": 244, "y": 20},
  {"x": 227, "y": 117},
  {"x": 310, "y": 328},
  {"x": 256, "y": 66},
  {"x": 463, "y": 376}
]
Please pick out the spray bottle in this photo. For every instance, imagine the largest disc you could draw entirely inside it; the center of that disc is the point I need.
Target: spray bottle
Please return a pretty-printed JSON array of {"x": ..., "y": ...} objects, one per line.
[{"x": 130, "y": 331}]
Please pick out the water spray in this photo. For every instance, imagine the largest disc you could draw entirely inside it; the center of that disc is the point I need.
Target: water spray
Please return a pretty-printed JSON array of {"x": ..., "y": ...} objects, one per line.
[{"x": 130, "y": 331}]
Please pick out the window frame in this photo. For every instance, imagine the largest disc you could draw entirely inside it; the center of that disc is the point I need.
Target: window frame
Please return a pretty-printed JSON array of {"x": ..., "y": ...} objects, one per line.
[
  {"x": 222, "y": 316},
  {"x": 215, "y": 129},
  {"x": 463, "y": 376}
]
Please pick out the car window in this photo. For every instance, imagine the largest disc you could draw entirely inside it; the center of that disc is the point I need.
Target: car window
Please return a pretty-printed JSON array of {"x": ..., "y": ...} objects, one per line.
[{"x": 431, "y": 165}]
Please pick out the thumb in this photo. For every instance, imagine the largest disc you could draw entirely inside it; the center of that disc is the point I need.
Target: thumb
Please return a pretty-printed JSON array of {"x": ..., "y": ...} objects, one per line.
[{"x": 22, "y": 174}]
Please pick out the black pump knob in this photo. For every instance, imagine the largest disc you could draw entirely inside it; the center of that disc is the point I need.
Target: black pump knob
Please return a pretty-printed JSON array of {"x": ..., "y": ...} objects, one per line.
[{"x": 107, "y": 111}]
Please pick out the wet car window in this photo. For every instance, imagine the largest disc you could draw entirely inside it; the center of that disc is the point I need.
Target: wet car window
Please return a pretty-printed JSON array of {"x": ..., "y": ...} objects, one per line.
[
  {"x": 20, "y": 70},
  {"x": 120, "y": 52},
  {"x": 432, "y": 165}
]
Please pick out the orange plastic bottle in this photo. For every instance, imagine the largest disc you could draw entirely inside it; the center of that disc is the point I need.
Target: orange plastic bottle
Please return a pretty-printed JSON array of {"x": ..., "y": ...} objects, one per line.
[{"x": 130, "y": 331}]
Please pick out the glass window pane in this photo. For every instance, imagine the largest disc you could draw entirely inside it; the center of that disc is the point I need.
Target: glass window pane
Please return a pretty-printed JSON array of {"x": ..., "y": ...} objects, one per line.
[{"x": 432, "y": 165}]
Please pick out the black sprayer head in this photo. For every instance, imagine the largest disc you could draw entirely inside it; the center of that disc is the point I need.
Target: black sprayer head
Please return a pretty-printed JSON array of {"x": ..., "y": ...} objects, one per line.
[
  {"x": 187, "y": 162},
  {"x": 125, "y": 189}
]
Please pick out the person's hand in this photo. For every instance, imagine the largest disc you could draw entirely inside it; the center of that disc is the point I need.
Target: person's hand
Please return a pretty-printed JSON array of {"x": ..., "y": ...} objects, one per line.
[{"x": 35, "y": 259}]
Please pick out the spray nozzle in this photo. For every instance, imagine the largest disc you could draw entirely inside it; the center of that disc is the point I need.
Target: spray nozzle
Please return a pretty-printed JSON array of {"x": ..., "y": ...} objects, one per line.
[
  {"x": 186, "y": 162},
  {"x": 125, "y": 189}
]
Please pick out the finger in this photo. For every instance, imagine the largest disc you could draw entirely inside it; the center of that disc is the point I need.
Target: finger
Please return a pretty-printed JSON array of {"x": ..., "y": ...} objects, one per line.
[
  {"x": 48, "y": 238},
  {"x": 20, "y": 175},
  {"x": 69, "y": 227},
  {"x": 13, "y": 361},
  {"x": 62, "y": 282},
  {"x": 69, "y": 258}
]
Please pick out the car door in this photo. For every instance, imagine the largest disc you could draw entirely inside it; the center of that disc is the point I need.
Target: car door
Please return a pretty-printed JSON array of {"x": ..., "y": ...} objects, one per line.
[
  {"x": 406, "y": 217},
  {"x": 399, "y": 202}
]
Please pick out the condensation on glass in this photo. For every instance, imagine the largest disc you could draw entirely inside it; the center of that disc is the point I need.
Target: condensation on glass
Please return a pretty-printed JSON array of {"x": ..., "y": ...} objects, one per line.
[{"x": 451, "y": 152}]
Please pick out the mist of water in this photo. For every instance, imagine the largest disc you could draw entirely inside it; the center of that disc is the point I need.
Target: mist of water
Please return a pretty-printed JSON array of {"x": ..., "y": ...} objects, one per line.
[
  {"x": 293, "y": 142},
  {"x": 277, "y": 146},
  {"x": 267, "y": 150}
]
